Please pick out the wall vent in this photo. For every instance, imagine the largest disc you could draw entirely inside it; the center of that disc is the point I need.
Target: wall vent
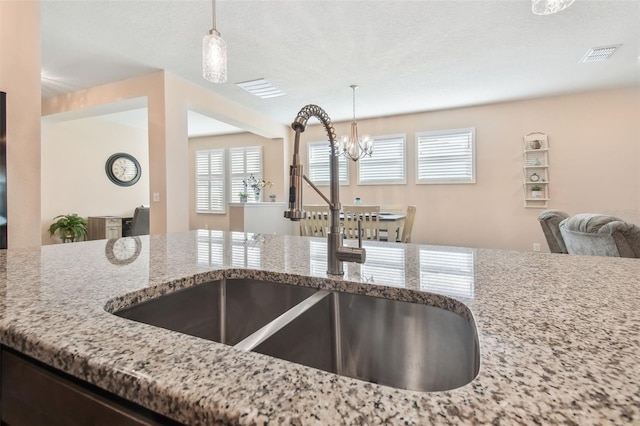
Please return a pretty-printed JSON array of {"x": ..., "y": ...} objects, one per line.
[
  {"x": 261, "y": 88},
  {"x": 599, "y": 54}
]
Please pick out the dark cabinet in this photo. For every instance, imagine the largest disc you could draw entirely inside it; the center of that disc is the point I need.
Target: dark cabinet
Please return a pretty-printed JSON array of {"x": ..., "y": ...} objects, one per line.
[{"x": 34, "y": 394}]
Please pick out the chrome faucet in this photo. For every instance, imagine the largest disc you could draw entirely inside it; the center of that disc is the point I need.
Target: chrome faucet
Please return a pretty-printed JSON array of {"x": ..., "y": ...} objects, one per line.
[{"x": 336, "y": 252}]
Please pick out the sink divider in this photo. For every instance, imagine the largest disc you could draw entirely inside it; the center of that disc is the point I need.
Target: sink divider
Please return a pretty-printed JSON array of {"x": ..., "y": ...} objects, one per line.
[
  {"x": 223, "y": 311},
  {"x": 253, "y": 340},
  {"x": 337, "y": 338}
]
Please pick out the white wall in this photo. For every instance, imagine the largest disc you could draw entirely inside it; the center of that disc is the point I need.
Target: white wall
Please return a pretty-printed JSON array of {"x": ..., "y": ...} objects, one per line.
[
  {"x": 74, "y": 180},
  {"x": 595, "y": 151},
  {"x": 20, "y": 79}
]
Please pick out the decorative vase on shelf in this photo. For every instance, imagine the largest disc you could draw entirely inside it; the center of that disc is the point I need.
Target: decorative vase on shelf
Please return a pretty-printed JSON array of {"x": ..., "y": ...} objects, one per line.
[{"x": 256, "y": 192}]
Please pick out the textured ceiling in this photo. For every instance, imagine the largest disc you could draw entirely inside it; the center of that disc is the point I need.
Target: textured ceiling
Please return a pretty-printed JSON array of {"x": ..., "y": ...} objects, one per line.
[{"x": 406, "y": 56}]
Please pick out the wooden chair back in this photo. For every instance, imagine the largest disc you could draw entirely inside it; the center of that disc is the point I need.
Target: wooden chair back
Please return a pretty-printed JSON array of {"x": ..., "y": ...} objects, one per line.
[
  {"x": 369, "y": 219},
  {"x": 316, "y": 224},
  {"x": 408, "y": 224}
]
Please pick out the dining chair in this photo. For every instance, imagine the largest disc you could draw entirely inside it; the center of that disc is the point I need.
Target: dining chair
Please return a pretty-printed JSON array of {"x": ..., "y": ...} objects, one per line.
[
  {"x": 408, "y": 224},
  {"x": 369, "y": 217},
  {"x": 316, "y": 223},
  {"x": 140, "y": 222}
]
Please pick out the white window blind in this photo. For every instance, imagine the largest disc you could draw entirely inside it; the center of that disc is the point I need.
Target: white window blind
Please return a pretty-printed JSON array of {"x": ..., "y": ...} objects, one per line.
[
  {"x": 446, "y": 156},
  {"x": 447, "y": 272},
  {"x": 318, "y": 159},
  {"x": 244, "y": 162},
  {"x": 210, "y": 181},
  {"x": 387, "y": 163}
]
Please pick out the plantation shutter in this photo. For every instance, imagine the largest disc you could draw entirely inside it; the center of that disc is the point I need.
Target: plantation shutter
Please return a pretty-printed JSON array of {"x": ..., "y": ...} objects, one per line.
[
  {"x": 446, "y": 156},
  {"x": 387, "y": 162},
  {"x": 244, "y": 163},
  {"x": 210, "y": 181},
  {"x": 318, "y": 160}
]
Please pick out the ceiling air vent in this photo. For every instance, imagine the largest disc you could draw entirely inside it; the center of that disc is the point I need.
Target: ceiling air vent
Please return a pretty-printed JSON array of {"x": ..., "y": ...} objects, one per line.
[
  {"x": 599, "y": 54},
  {"x": 261, "y": 88}
]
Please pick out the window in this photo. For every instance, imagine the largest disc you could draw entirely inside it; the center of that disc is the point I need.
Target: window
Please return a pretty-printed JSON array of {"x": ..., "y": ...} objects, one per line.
[
  {"x": 210, "y": 181},
  {"x": 387, "y": 163},
  {"x": 318, "y": 164},
  {"x": 244, "y": 162},
  {"x": 446, "y": 156}
]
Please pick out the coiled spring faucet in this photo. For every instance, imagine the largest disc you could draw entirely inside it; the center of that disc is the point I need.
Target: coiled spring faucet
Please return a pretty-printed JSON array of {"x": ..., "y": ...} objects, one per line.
[{"x": 336, "y": 252}]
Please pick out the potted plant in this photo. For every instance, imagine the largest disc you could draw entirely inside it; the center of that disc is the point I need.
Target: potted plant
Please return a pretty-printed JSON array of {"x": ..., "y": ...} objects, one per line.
[
  {"x": 70, "y": 227},
  {"x": 256, "y": 184},
  {"x": 243, "y": 197},
  {"x": 537, "y": 191}
]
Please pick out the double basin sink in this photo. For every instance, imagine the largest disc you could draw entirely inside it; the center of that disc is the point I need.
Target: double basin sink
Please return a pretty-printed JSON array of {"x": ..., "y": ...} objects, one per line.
[{"x": 394, "y": 343}]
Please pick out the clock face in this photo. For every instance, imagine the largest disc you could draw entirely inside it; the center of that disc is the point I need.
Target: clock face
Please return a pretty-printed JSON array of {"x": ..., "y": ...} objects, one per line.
[
  {"x": 123, "y": 169},
  {"x": 534, "y": 177}
]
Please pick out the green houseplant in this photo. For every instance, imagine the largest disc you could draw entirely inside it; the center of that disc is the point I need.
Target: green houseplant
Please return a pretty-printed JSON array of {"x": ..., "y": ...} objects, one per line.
[{"x": 70, "y": 227}]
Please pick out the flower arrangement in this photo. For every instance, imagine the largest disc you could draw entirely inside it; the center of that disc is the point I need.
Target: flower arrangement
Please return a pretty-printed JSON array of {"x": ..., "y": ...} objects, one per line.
[{"x": 256, "y": 184}]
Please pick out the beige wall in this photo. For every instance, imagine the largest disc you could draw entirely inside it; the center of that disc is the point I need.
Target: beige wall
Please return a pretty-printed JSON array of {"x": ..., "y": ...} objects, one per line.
[
  {"x": 273, "y": 165},
  {"x": 20, "y": 79},
  {"x": 73, "y": 169},
  {"x": 594, "y": 139},
  {"x": 168, "y": 99}
]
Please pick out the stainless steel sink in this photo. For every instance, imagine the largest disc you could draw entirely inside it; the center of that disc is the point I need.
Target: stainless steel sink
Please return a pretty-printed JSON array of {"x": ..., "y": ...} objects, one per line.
[
  {"x": 224, "y": 311},
  {"x": 393, "y": 343},
  {"x": 399, "y": 344}
]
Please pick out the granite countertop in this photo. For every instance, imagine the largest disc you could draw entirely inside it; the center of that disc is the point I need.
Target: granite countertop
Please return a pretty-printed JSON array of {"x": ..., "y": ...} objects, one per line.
[{"x": 559, "y": 335}]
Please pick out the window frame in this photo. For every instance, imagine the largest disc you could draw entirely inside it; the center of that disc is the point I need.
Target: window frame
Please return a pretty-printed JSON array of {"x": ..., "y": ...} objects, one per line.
[
  {"x": 376, "y": 142},
  {"x": 425, "y": 181}
]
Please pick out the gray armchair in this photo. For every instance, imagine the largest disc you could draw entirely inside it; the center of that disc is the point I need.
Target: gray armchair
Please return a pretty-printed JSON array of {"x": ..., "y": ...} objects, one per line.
[
  {"x": 550, "y": 223},
  {"x": 600, "y": 235}
]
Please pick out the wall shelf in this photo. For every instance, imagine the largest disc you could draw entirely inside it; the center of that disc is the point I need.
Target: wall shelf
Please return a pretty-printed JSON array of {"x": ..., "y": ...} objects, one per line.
[{"x": 535, "y": 170}]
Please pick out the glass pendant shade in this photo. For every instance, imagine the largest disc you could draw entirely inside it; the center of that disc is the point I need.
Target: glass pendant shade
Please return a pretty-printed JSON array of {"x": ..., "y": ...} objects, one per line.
[
  {"x": 214, "y": 58},
  {"x": 547, "y": 7},
  {"x": 353, "y": 146}
]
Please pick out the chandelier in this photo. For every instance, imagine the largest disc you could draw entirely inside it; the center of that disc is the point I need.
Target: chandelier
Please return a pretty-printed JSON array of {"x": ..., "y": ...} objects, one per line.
[
  {"x": 547, "y": 7},
  {"x": 352, "y": 146},
  {"x": 214, "y": 54}
]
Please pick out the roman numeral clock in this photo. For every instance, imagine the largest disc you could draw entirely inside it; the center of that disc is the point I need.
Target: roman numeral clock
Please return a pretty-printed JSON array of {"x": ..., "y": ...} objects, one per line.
[{"x": 123, "y": 169}]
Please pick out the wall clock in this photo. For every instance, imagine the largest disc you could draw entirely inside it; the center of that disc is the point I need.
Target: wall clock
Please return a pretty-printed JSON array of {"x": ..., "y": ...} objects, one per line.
[
  {"x": 123, "y": 169},
  {"x": 123, "y": 251}
]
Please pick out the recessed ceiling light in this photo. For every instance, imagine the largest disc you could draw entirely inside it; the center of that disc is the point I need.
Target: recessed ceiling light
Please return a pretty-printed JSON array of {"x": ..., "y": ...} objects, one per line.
[
  {"x": 599, "y": 54},
  {"x": 261, "y": 88}
]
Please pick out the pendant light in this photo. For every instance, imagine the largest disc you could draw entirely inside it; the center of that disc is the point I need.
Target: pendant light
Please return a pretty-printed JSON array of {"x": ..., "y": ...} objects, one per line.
[
  {"x": 547, "y": 7},
  {"x": 214, "y": 53},
  {"x": 353, "y": 146}
]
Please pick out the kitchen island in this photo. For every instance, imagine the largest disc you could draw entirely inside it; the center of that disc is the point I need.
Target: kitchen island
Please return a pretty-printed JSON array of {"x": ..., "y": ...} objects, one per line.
[{"x": 559, "y": 335}]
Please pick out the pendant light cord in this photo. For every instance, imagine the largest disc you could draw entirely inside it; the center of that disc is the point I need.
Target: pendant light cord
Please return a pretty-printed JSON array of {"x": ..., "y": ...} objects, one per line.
[
  {"x": 213, "y": 13},
  {"x": 354, "y": 87}
]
